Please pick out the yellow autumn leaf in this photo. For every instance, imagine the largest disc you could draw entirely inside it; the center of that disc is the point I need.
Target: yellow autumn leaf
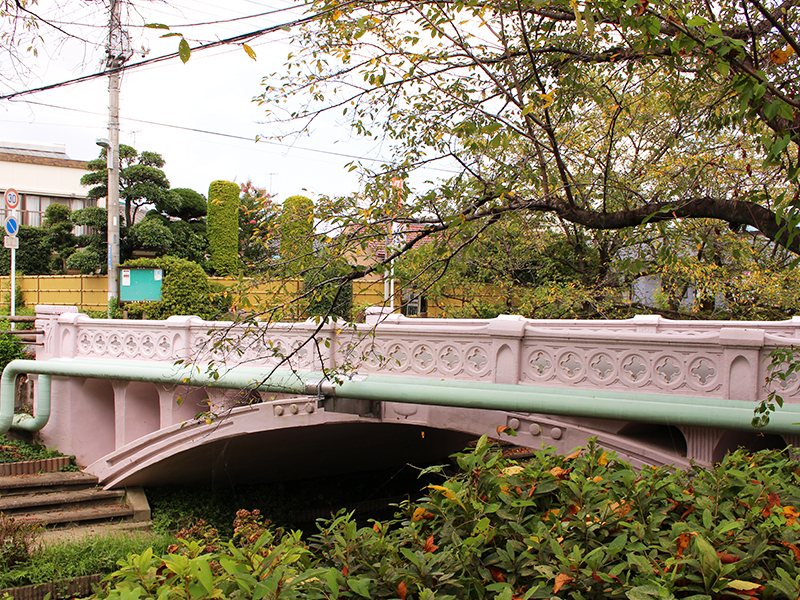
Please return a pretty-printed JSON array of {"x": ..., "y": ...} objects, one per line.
[
  {"x": 597, "y": 479},
  {"x": 781, "y": 57},
  {"x": 603, "y": 460},
  {"x": 250, "y": 52},
  {"x": 447, "y": 493},
  {"x": 743, "y": 586},
  {"x": 513, "y": 470},
  {"x": 418, "y": 512},
  {"x": 575, "y": 454},
  {"x": 337, "y": 14},
  {"x": 548, "y": 98},
  {"x": 557, "y": 471}
]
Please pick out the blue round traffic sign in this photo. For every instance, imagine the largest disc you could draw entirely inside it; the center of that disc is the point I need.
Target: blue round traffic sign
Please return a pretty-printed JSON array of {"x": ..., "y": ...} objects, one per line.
[{"x": 12, "y": 226}]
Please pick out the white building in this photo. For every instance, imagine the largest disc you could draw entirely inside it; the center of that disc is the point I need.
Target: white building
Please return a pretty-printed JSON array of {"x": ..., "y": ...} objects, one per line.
[{"x": 42, "y": 174}]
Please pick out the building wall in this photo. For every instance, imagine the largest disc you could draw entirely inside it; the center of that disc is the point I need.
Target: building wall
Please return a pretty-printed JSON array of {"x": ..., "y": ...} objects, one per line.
[{"x": 42, "y": 175}]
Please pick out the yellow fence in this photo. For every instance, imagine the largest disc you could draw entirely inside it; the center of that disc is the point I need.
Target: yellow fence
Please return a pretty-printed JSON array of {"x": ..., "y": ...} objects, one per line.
[
  {"x": 90, "y": 292},
  {"x": 87, "y": 292}
]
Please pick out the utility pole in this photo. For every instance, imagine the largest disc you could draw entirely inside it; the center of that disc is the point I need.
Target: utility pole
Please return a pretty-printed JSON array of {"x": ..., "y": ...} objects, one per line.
[{"x": 118, "y": 50}]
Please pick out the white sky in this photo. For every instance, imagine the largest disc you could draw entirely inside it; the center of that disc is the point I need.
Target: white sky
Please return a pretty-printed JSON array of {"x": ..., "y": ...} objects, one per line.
[{"x": 212, "y": 92}]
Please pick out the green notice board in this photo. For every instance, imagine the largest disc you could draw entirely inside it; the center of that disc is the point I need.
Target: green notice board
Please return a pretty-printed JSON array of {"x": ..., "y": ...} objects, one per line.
[{"x": 140, "y": 284}]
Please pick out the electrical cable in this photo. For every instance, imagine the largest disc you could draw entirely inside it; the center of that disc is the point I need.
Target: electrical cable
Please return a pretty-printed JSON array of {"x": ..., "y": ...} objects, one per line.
[
  {"x": 229, "y": 135},
  {"x": 263, "y": 14},
  {"x": 241, "y": 38}
]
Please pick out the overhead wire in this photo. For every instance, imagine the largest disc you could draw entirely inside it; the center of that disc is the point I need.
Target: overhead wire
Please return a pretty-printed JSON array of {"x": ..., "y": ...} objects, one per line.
[
  {"x": 240, "y": 38},
  {"x": 257, "y": 139},
  {"x": 232, "y": 20}
]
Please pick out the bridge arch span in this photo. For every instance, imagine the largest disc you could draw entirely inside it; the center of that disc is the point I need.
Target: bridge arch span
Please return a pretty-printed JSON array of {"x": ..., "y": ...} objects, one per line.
[{"x": 291, "y": 438}]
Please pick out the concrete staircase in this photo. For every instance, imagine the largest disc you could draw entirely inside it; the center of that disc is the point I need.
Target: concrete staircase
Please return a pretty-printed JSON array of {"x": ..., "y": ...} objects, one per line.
[{"x": 69, "y": 500}]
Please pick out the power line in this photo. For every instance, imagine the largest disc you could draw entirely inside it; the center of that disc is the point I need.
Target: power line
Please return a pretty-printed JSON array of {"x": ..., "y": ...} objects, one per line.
[
  {"x": 227, "y": 135},
  {"x": 241, "y": 38},
  {"x": 262, "y": 14}
]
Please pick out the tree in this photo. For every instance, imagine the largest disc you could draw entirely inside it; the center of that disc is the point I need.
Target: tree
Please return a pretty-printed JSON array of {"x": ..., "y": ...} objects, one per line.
[
  {"x": 18, "y": 28},
  {"x": 152, "y": 234},
  {"x": 603, "y": 116},
  {"x": 297, "y": 233},
  {"x": 222, "y": 228},
  {"x": 259, "y": 239},
  {"x": 60, "y": 239},
  {"x": 141, "y": 181},
  {"x": 33, "y": 255},
  {"x": 91, "y": 257},
  {"x": 191, "y": 205}
]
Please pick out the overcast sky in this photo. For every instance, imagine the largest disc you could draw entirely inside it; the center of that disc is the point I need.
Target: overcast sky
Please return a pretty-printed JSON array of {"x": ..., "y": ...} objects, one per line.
[{"x": 162, "y": 105}]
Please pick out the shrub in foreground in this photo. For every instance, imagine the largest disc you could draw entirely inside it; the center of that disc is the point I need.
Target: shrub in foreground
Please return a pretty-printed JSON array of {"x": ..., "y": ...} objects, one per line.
[{"x": 585, "y": 525}]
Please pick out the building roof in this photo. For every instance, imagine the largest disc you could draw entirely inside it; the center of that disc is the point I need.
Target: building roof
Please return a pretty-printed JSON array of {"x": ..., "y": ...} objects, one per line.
[{"x": 54, "y": 155}]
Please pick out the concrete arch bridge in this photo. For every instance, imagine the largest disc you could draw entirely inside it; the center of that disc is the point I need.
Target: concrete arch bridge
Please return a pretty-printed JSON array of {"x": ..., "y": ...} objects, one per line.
[{"x": 124, "y": 396}]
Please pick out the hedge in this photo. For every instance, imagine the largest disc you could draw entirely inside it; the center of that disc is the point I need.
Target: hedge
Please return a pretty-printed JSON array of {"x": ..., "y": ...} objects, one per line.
[{"x": 223, "y": 227}]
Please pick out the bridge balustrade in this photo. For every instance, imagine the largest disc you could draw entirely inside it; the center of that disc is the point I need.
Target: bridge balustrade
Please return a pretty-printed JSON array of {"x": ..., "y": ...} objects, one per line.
[
  {"x": 647, "y": 354},
  {"x": 720, "y": 359}
]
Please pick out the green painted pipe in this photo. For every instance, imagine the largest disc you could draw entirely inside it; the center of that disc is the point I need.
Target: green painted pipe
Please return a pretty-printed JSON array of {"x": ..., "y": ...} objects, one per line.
[
  {"x": 649, "y": 408},
  {"x": 572, "y": 392},
  {"x": 661, "y": 409},
  {"x": 159, "y": 373},
  {"x": 27, "y": 422}
]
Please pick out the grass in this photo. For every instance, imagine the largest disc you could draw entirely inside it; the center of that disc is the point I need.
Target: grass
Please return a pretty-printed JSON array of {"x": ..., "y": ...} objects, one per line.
[
  {"x": 89, "y": 556},
  {"x": 15, "y": 450}
]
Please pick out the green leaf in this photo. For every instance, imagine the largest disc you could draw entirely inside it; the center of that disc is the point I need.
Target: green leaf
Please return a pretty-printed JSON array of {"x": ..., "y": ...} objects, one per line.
[
  {"x": 709, "y": 561},
  {"x": 697, "y": 21},
  {"x": 332, "y": 579},
  {"x": 184, "y": 51},
  {"x": 156, "y": 26},
  {"x": 708, "y": 519},
  {"x": 361, "y": 586},
  {"x": 618, "y": 545},
  {"x": 203, "y": 573},
  {"x": 643, "y": 592}
]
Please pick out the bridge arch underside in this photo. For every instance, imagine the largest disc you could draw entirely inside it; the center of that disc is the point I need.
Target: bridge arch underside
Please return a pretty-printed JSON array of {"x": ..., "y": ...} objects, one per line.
[{"x": 292, "y": 438}]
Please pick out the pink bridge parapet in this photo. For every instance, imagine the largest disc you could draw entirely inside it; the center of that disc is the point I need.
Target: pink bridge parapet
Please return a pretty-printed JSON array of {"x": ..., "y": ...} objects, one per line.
[{"x": 134, "y": 432}]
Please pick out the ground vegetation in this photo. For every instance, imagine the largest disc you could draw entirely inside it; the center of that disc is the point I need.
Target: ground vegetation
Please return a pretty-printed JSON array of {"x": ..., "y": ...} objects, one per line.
[{"x": 585, "y": 525}]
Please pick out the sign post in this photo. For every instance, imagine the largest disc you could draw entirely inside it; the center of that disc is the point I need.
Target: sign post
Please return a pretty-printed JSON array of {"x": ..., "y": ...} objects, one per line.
[{"x": 10, "y": 241}]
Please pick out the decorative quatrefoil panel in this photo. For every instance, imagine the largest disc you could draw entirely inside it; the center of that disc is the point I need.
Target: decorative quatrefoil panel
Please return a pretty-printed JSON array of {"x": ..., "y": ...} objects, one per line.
[
  {"x": 164, "y": 346},
  {"x": 398, "y": 357},
  {"x": 477, "y": 359},
  {"x": 570, "y": 365},
  {"x": 602, "y": 366},
  {"x": 540, "y": 365},
  {"x": 703, "y": 372},
  {"x": 668, "y": 370},
  {"x": 449, "y": 358},
  {"x": 423, "y": 357},
  {"x": 635, "y": 367}
]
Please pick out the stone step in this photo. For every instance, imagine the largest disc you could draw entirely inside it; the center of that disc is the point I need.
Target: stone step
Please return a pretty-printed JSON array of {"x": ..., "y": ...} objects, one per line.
[
  {"x": 68, "y": 515},
  {"x": 14, "y": 485},
  {"x": 21, "y": 503},
  {"x": 69, "y": 500}
]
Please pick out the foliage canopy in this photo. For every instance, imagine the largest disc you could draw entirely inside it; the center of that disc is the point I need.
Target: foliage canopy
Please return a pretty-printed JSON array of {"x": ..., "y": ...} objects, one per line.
[{"x": 606, "y": 115}]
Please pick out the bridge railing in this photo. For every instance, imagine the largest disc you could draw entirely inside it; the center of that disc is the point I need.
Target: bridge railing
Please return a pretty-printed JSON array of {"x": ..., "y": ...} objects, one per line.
[{"x": 721, "y": 359}]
